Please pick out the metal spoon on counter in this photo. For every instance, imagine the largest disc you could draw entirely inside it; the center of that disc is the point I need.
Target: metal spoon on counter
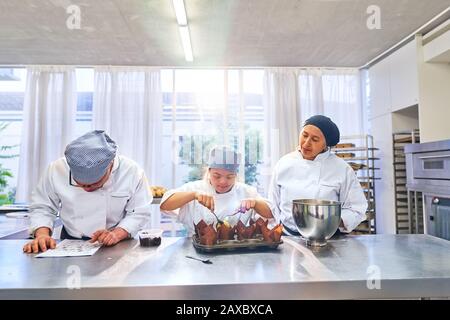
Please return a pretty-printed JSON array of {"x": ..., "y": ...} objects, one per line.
[{"x": 207, "y": 261}]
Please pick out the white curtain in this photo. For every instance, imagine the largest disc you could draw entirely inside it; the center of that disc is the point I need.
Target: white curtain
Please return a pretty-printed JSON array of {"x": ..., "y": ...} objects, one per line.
[
  {"x": 281, "y": 115},
  {"x": 209, "y": 107},
  {"x": 291, "y": 95},
  {"x": 48, "y": 122},
  {"x": 335, "y": 93},
  {"x": 128, "y": 106}
]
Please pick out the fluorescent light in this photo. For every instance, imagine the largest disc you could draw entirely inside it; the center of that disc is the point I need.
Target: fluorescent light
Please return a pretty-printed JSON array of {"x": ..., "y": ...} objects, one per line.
[
  {"x": 186, "y": 41},
  {"x": 180, "y": 12}
]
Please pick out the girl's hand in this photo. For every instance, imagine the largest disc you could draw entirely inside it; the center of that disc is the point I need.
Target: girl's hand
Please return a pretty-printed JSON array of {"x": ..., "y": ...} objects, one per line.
[
  {"x": 248, "y": 204},
  {"x": 205, "y": 200}
]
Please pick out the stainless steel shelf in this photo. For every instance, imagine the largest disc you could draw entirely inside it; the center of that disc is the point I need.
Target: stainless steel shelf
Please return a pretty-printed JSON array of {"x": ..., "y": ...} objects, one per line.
[
  {"x": 360, "y": 158},
  {"x": 363, "y": 144},
  {"x": 337, "y": 150}
]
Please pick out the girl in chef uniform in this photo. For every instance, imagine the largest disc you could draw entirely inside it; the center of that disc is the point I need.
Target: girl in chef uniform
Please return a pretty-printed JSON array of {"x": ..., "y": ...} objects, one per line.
[
  {"x": 314, "y": 172},
  {"x": 218, "y": 192}
]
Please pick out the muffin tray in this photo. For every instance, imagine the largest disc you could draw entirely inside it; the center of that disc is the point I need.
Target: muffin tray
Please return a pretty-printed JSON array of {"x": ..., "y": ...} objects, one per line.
[{"x": 235, "y": 245}]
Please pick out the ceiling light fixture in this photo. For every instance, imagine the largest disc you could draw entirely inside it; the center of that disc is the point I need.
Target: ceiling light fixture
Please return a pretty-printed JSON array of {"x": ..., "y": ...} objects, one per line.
[
  {"x": 186, "y": 41},
  {"x": 180, "y": 13}
]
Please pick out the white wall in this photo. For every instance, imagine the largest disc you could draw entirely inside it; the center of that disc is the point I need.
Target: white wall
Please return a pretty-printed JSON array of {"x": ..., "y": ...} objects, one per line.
[
  {"x": 406, "y": 119},
  {"x": 381, "y": 130},
  {"x": 403, "y": 77},
  {"x": 434, "y": 98},
  {"x": 393, "y": 100},
  {"x": 380, "y": 93}
]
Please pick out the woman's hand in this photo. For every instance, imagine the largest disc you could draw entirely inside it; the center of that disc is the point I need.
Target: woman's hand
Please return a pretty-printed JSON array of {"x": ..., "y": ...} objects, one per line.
[
  {"x": 205, "y": 200},
  {"x": 41, "y": 242}
]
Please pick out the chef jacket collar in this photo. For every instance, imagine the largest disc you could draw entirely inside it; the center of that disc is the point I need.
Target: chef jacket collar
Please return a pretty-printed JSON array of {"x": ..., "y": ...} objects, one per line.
[
  {"x": 116, "y": 164},
  {"x": 319, "y": 157}
]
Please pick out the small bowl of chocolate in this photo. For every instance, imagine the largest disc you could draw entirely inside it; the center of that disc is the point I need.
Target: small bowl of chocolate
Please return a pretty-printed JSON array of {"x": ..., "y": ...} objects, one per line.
[{"x": 150, "y": 237}]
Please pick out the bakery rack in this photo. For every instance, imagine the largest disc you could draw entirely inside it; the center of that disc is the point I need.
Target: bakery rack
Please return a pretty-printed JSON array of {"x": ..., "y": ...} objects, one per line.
[
  {"x": 403, "y": 224},
  {"x": 359, "y": 152}
]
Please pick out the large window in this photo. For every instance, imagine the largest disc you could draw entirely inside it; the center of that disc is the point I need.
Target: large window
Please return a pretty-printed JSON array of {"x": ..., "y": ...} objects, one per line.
[
  {"x": 85, "y": 96},
  {"x": 202, "y": 108},
  {"x": 12, "y": 95},
  {"x": 12, "y": 88}
]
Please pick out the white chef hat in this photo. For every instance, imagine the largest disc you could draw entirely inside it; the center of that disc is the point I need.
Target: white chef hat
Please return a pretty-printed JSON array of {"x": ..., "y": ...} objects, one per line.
[{"x": 223, "y": 157}]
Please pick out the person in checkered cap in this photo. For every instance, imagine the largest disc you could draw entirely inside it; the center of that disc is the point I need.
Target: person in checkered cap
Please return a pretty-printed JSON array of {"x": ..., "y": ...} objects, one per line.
[
  {"x": 99, "y": 195},
  {"x": 219, "y": 192}
]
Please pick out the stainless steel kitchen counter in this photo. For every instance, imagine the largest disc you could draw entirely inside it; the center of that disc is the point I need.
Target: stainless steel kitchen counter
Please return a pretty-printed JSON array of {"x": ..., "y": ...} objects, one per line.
[
  {"x": 407, "y": 266},
  {"x": 9, "y": 226}
]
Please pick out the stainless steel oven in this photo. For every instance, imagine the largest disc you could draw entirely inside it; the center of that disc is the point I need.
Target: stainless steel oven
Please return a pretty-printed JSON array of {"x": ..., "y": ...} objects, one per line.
[
  {"x": 428, "y": 171},
  {"x": 432, "y": 165},
  {"x": 438, "y": 218}
]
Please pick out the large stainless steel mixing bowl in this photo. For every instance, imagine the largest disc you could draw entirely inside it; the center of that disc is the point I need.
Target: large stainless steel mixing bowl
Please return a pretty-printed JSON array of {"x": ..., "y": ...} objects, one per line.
[{"x": 316, "y": 220}]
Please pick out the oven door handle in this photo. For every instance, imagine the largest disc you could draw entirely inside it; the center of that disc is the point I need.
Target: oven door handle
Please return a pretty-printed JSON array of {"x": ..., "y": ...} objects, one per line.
[{"x": 436, "y": 157}]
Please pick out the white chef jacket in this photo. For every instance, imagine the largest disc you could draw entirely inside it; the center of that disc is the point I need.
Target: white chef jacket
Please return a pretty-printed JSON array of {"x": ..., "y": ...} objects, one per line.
[
  {"x": 123, "y": 201},
  {"x": 327, "y": 177},
  {"x": 224, "y": 204}
]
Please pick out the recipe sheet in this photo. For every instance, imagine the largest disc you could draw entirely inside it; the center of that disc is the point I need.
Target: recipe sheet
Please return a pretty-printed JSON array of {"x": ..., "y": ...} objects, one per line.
[{"x": 71, "y": 248}]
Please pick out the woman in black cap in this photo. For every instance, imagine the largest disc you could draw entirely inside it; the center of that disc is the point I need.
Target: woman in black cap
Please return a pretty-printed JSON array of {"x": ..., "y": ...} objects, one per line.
[{"x": 313, "y": 172}]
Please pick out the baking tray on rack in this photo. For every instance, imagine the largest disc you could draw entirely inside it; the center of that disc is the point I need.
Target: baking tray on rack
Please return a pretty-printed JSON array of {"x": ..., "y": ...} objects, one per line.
[{"x": 253, "y": 244}]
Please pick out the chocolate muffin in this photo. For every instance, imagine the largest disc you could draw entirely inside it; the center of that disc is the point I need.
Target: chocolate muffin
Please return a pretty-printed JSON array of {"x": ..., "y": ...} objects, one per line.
[{"x": 244, "y": 232}]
